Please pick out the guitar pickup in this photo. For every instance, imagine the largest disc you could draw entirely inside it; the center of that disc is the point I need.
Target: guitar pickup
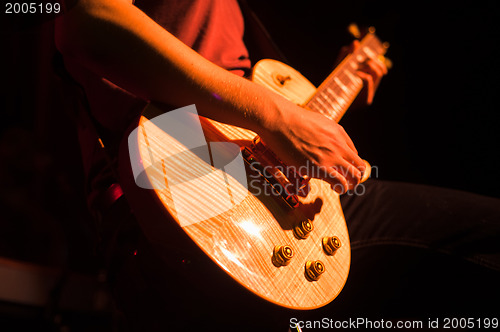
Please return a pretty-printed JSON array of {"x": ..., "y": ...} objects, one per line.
[{"x": 284, "y": 181}]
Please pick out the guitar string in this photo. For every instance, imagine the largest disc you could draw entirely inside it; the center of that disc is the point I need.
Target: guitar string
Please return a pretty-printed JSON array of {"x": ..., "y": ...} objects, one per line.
[
  {"x": 343, "y": 94},
  {"x": 335, "y": 86}
]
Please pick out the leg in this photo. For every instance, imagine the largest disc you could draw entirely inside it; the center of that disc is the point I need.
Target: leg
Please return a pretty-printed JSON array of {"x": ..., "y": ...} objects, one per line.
[
  {"x": 419, "y": 252},
  {"x": 441, "y": 220}
]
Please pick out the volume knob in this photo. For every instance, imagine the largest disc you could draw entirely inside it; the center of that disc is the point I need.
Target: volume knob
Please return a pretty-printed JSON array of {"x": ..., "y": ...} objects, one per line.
[
  {"x": 303, "y": 229},
  {"x": 331, "y": 244},
  {"x": 282, "y": 255},
  {"x": 314, "y": 270}
]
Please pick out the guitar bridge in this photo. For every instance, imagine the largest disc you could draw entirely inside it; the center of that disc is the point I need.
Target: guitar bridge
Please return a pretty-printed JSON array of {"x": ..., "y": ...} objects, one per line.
[{"x": 284, "y": 181}]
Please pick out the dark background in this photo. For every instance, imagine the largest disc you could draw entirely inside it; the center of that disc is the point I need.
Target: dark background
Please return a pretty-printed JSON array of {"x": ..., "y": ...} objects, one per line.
[
  {"x": 435, "y": 116},
  {"x": 434, "y": 119}
]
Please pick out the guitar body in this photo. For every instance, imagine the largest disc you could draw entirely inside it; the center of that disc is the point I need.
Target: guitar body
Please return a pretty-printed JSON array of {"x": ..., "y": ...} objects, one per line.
[{"x": 188, "y": 203}]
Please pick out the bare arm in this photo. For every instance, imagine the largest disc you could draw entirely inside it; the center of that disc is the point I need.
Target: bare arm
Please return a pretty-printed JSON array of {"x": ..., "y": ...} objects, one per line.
[{"x": 119, "y": 42}]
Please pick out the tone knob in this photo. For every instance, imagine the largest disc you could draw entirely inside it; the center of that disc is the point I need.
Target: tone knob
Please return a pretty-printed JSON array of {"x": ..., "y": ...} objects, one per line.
[
  {"x": 331, "y": 244},
  {"x": 282, "y": 255},
  {"x": 303, "y": 229},
  {"x": 314, "y": 270}
]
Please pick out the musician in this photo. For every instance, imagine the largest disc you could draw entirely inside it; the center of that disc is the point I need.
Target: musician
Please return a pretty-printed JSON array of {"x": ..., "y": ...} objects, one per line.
[{"x": 177, "y": 53}]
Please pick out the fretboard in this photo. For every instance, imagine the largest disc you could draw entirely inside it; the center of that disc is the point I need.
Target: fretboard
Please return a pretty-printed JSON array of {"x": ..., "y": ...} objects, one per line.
[{"x": 340, "y": 88}]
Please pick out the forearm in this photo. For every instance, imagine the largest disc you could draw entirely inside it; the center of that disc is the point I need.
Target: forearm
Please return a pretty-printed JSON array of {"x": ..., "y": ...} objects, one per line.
[{"x": 119, "y": 42}]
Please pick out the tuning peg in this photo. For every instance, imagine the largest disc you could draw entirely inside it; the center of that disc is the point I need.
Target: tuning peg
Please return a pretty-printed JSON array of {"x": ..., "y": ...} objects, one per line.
[{"x": 354, "y": 30}]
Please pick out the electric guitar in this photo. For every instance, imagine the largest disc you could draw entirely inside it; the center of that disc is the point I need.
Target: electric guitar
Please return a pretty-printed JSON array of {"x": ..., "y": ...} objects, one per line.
[{"x": 218, "y": 189}]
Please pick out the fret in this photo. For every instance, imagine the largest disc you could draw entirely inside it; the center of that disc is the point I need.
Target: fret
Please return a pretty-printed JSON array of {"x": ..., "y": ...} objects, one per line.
[
  {"x": 355, "y": 79},
  {"x": 341, "y": 85},
  {"x": 369, "y": 52},
  {"x": 336, "y": 98},
  {"x": 349, "y": 81},
  {"x": 330, "y": 115},
  {"x": 320, "y": 108},
  {"x": 339, "y": 99},
  {"x": 330, "y": 107},
  {"x": 339, "y": 90},
  {"x": 325, "y": 111},
  {"x": 328, "y": 99},
  {"x": 331, "y": 92},
  {"x": 312, "y": 105},
  {"x": 327, "y": 107},
  {"x": 322, "y": 103}
]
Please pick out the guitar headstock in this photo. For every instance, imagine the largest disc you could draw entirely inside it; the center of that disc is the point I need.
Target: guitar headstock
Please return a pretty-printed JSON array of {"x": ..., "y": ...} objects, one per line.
[{"x": 360, "y": 34}]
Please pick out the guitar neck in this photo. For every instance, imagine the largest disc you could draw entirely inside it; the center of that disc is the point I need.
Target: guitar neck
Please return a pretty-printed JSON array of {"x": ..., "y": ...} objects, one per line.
[{"x": 340, "y": 88}]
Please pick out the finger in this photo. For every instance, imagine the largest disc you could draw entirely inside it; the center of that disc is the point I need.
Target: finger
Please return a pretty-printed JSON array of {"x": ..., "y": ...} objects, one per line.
[
  {"x": 333, "y": 177},
  {"x": 380, "y": 65},
  {"x": 370, "y": 67},
  {"x": 337, "y": 182},
  {"x": 356, "y": 161},
  {"x": 349, "y": 172},
  {"x": 375, "y": 70},
  {"x": 355, "y": 168},
  {"x": 352, "y": 174},
  {"x": 370, "y": 88},
  {"x": 348, "y": 139},
  {"x": 373, "y": 67},
  {"x": 355, "y": 45},
  {"x": 377, "y": 73},
  {"x": 350, "y": 154}
]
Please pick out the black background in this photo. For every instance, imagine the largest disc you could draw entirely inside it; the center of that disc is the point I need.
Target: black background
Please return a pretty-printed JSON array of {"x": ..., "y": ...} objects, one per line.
[
  {"x": 435, "y": 116},
  {"x": 434, "y": 119}
]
